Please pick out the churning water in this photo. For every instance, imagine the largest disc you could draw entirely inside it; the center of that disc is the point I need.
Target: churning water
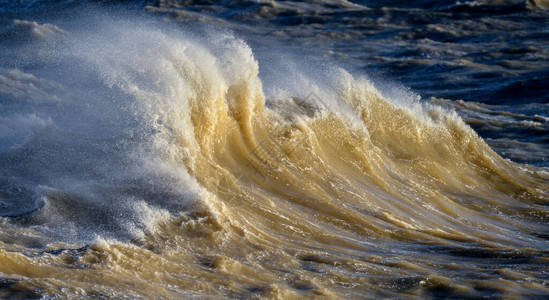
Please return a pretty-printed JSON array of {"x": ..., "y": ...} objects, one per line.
[{"x": 271, "y": 149}]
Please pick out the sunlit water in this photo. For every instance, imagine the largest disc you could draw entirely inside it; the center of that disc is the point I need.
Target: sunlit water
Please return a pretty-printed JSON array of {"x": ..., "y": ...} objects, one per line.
[{"x": 268, "y": 149}]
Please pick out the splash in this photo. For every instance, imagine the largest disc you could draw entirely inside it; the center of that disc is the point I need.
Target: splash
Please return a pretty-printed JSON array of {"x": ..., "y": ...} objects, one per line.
[{"x": 163, "y": 159}]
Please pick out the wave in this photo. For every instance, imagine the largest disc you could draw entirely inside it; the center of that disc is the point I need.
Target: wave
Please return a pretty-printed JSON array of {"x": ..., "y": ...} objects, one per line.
[{"x": 168, "y": 154}]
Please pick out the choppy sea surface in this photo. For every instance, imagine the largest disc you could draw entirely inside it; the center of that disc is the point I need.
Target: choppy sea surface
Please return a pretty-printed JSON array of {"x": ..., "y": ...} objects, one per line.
[{"x": 274, "y": 149}]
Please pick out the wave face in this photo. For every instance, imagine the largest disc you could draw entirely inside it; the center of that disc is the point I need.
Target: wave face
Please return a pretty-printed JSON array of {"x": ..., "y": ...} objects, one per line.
[
  {"x": 492, "y": 52},
  {"x": 142, "y": 162}
]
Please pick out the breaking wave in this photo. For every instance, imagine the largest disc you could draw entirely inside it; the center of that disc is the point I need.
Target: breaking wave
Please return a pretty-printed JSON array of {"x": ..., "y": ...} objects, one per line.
[{"x": 163, "y": 147}]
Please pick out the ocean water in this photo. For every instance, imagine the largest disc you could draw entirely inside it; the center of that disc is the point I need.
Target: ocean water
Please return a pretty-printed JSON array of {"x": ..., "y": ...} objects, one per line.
[{"x": 274, "y": 149}]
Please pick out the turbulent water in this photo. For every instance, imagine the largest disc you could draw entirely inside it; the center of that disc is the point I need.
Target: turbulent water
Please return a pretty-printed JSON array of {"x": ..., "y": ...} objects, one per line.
[{"x": 274, "y": 149}]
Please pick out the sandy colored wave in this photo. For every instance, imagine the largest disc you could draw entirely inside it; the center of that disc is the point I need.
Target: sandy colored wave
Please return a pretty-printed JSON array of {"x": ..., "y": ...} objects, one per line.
[{"x": 336, "y": 192}]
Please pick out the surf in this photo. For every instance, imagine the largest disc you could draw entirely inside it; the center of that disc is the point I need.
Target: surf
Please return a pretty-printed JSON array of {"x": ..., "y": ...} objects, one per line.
[{"x": 178, "y": 162}]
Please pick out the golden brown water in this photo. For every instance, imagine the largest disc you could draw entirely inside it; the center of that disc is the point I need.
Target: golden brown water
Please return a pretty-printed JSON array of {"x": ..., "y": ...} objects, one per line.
[{"x": 344, "y": 193}]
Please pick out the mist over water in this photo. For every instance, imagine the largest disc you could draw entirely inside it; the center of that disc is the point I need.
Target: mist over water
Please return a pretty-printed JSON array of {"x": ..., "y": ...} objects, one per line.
[{"x": 174, "y": 151}]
